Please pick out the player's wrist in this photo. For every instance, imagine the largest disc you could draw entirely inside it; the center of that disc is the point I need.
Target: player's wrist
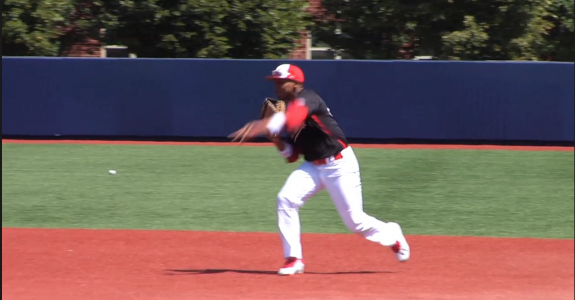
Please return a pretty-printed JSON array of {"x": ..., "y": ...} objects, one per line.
[{"x": 276, "y": 123}]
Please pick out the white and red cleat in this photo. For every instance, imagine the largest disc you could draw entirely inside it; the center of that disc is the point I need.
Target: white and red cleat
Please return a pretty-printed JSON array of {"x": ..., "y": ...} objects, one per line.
[
  {"x": 401, "y": 248},
  {"x": 293, "y": 266}
]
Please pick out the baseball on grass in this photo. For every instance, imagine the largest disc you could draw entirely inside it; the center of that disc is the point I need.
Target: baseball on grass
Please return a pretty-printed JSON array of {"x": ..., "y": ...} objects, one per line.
[{"x": 113, "y": 172}]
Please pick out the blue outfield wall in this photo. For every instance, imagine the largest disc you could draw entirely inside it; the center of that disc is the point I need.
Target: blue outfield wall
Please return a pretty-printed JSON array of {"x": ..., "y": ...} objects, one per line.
[{"x": 433, "y": 100}]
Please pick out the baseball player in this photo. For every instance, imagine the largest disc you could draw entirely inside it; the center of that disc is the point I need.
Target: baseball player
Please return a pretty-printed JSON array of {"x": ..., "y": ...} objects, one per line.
[{"x": 330, "y": 164}]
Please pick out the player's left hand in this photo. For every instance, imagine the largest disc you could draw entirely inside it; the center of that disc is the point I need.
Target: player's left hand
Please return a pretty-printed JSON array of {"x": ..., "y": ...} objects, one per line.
[{"x": 249, "y": 131}]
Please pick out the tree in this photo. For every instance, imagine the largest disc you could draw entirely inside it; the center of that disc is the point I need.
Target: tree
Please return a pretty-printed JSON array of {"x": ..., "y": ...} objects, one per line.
[
  {"x": 550, "y": 34},
  {"x": 158, "y": 28},
  {"x": 449, "y": 29},
  {"x": 34, "y": 27},
  {"x": 204, "y": 28},
  {"x": 514, "y": 30},
  {"x": 367, "y": 29}
]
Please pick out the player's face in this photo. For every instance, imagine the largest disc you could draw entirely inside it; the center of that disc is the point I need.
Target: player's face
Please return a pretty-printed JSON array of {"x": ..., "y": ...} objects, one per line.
[{"x": 285, "y": 89}]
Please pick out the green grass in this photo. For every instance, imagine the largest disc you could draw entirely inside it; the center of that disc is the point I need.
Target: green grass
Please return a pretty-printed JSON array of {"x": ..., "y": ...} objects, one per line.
[{"x": 434, "y": 192}]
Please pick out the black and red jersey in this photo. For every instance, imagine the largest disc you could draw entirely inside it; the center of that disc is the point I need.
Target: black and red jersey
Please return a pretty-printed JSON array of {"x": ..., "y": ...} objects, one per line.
[{"x": 315, "y": 133}]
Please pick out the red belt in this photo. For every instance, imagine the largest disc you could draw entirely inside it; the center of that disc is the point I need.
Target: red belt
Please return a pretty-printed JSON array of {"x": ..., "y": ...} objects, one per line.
[{"x": 325, "y": 161}]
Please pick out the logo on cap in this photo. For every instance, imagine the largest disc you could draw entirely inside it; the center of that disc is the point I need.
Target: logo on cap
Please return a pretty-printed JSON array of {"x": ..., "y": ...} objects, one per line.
[{"x": 288, "y": 71}]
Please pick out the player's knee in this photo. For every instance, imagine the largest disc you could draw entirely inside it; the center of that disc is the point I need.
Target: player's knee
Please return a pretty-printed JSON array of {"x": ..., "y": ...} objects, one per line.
[
  {"x": 289, "y": 201},
  {"x": 284, "y": 201},
  {"x": 357, "y": 222}
]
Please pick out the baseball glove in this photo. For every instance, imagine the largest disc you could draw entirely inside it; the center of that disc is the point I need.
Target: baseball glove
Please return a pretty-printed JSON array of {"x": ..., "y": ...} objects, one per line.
[
  {"x": 272, "y": 106},
  {"x": 258, "y": 127}
]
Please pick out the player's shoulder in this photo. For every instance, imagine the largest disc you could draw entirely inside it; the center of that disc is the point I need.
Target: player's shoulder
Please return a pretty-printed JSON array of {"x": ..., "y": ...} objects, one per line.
[
  {"x": 308, "y": 93},
  {"x": 310, "y": 96}
]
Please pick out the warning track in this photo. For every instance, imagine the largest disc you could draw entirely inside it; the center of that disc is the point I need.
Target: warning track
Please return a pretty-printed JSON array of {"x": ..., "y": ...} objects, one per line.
[{"x": 368, "y": 146}]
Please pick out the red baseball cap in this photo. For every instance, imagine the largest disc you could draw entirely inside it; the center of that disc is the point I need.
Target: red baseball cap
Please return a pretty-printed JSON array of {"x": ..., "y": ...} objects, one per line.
[{"x": 289, "y": 72}]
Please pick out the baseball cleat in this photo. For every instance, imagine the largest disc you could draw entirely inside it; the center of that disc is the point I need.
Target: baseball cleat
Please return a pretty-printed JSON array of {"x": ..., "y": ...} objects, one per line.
[
  {"x": 293, "y": 266},
  {"x": 401, "y": 248}
]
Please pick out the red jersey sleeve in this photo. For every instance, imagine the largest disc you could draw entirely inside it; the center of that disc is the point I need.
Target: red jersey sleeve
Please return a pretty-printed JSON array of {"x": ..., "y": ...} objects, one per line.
[{"x": 298, "y": 111}]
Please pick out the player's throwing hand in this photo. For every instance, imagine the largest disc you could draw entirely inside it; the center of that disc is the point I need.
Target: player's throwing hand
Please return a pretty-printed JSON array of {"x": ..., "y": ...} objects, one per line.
[{"x": 251, "y": 130}]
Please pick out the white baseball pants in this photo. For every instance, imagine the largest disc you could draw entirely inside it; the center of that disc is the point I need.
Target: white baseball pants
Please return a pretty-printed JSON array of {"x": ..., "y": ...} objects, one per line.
[{"x": 341, "y": 178}]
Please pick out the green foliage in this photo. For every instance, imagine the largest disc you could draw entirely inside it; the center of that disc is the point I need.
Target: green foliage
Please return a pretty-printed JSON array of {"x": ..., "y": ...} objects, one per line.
[
  {"x": 449, "y": 29},
  {"x": 469, "y": 42},
  {"x": 34, "y": 27},
  {"x": 208, "y": 28},
  {"x": 160, "y": 28},
  {"x": 371, "y": 29},
  {"x": 560, "y": 40}
]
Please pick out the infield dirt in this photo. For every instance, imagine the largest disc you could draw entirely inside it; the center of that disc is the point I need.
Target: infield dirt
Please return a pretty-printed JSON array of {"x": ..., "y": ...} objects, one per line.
[{"x": 162, "y": 265}]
